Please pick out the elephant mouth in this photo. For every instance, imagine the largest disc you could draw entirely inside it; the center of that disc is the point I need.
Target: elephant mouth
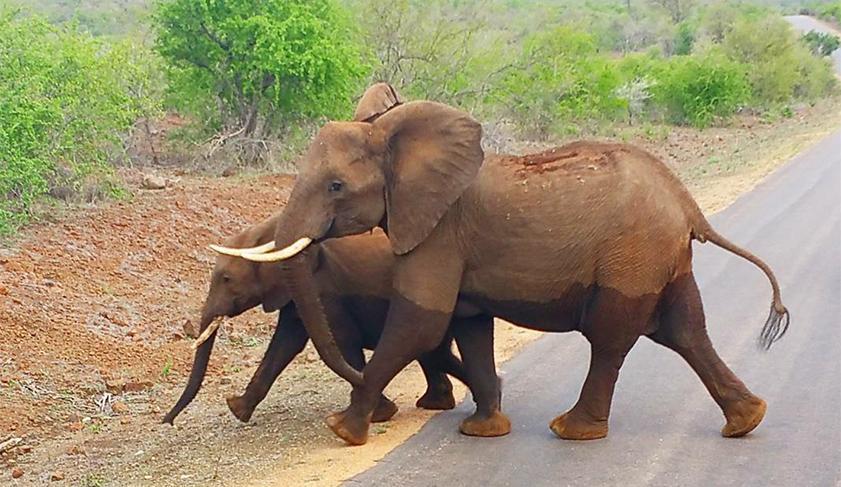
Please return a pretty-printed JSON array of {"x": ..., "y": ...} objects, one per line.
[{"x": 211, "y": 329}]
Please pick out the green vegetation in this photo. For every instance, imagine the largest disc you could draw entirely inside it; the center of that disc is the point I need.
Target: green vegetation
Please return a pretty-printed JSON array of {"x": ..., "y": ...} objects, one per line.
[
  {"x": 252, "y": 79},
  {"x": 254, "y": 67},
  {"x": 830, "y": 11},
  {"x": 821, "y": 43},
  {"x": 66, "y": 99}
]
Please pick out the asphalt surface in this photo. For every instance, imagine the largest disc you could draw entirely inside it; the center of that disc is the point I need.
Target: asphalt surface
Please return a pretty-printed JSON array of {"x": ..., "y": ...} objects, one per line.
[
  {"x": 664, "y": 427},
  {"x": 805, "y": 23}
]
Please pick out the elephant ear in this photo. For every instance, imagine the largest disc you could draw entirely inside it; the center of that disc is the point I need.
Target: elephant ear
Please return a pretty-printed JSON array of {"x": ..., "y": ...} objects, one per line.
[
  {"x": 433, "y": 154},
  {"x": 377, "y": 99},
  {"x": 275, "y": 294}
]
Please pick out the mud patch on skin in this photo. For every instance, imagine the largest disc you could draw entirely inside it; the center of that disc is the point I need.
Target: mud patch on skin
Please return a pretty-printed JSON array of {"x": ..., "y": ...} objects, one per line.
[{"x": 573, "y": 158}]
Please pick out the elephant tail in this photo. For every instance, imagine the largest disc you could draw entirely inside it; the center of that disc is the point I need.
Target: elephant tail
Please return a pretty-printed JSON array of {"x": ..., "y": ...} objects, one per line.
[{"x": 778, "y": 319}]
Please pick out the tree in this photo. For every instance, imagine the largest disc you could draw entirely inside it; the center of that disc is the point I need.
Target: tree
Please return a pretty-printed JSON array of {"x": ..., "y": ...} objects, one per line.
[
  {"x": 251, "y": 67},
  {"x": 437, "y": 49},
  {"x": 678, "y": 10}
]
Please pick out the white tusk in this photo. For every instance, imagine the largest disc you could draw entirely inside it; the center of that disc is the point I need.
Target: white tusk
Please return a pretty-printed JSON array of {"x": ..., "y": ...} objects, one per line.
[
  {"x": 214, "y": 325},
  {"x": 281, "y": 254},
  {"x": 266, "y": 247}
]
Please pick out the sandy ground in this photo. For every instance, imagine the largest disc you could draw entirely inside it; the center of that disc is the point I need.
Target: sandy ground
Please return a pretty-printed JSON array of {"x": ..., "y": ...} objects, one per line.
[{"x": 92, "y": 348}]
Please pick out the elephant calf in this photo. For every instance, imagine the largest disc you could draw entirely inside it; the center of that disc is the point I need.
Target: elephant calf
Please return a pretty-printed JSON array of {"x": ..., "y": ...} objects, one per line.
[{"x": 353, "y": 277}]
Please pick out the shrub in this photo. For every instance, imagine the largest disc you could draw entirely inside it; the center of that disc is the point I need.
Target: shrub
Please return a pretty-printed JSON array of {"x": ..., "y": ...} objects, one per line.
[
  {"x": 563, "y": 84},
  {"x": 700, "y": 88},
  {"x": 684, "y": 39},
  {"x": 821, "y": 43},
  {"x": 780, "y": 67},
  {"x": 65, "y": 102},
  {"x": 830, "y": 11}
]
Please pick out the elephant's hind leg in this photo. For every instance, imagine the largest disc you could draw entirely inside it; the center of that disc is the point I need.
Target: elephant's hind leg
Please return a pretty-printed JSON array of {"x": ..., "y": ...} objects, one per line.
[
  {"x": 435, "y": 365},
  {"x": 613, "y": 325},
  {"x": 683, "y": 329}
]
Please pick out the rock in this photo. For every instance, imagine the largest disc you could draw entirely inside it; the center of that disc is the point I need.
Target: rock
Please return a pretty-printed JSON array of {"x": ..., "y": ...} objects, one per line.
[
  {"x": 119, "y": 407},
  {"x": 57, "y": 476},
  {"x": 225, "y": 381},
  {"x": 137, "y": 386},
  {"x": 25, "y": 449},
  {"x": 150, "y": 181},
  {"x": 17, "y": 473},
  {"x": 75, "y": 450},
  {"x": 190, "y": 329},
  {"x": 75, "y": 426},
  {"x": 115, "y": 386}
]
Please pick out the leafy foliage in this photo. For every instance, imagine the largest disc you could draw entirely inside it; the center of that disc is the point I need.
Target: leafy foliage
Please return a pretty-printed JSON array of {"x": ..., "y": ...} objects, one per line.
[
  {"x": 256, "y": 66},
  {"x": 778, "y": 64},
  {"x": 830, "y": 11},
  {"x": 561, "y": 82},
  {"x": 821, "y": 43},
  {"x": 65, "y": 101},
  {"x": 698, "y": 89}
]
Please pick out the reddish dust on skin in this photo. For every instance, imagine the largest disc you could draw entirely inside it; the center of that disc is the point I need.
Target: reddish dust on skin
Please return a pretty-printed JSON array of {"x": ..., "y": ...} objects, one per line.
[
  {"x": 99, "y": 302},
  {"x": 569, "y": 159}
]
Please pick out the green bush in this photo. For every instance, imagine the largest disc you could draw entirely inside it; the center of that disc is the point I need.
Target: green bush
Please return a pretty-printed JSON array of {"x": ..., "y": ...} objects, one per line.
[
  {"x": 821, "y": 43},
  {"x": 830, "y": 11},
  {"x": 564, "y": 83},
  {"x": 700, "y": 88},
  {"x": 65, "y": 101},
  {"x": 684, "y": 39},
  {"x": 253, "y": 67},
  {"x": 779, "y": 67}
]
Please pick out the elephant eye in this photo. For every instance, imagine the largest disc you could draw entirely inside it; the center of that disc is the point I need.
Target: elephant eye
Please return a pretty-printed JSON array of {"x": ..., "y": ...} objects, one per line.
[
  {"x": 226, "y": 278},
  {"x": 335, "y": 186}
]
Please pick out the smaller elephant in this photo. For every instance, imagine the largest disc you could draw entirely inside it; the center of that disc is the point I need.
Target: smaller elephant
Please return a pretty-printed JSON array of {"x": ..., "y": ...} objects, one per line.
[{"x": 353, "y": 276}]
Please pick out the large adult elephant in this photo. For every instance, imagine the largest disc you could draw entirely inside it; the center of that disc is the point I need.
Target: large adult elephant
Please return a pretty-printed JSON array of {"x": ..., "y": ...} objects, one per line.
[{"x": 593, "y": 237}]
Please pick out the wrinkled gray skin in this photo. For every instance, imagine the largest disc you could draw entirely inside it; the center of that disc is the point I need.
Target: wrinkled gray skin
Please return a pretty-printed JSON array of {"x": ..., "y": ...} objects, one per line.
[{"x": 353, "y": 276}]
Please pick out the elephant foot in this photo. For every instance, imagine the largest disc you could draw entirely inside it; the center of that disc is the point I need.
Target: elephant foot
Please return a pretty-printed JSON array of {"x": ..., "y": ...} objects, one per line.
[
  {"x": 349, "y": 427},
  {"x": 384, "y": 411},
  {"x": 743, "y": 416},
  {"x": 496, "y": 424},
  {"x": 571, "y": 426},
  {"x": 241, "y": 409},
  {"x": 436, "y": 400}
]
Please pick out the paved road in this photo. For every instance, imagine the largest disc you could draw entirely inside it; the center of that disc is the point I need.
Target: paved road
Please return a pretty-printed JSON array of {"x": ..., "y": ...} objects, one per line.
[
  {"x": 664, "y": 426},
  {"x": 804, "y": 23}
]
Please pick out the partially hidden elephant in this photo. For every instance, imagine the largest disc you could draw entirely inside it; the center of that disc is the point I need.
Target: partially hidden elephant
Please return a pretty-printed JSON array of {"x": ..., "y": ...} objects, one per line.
[
  {"x": 353, "y": 276},
  {"x": 592, "y": 237}
]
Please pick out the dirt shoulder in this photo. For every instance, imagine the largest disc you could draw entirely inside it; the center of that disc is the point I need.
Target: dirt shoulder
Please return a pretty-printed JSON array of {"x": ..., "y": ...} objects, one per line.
[{"x": 92, "y": 348}]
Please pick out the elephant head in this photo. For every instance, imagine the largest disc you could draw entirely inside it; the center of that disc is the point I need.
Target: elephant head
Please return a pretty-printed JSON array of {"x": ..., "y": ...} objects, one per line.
[
  {"x": 399, "y": 166},
  {"x": 236, "y": 285}
]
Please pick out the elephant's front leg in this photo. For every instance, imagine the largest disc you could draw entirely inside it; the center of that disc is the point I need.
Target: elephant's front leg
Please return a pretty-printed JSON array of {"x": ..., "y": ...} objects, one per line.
[
  {"x": 426, "y": 285},
  {"x": 288, "y": 340},
  {"x": 474, "y": 337},
  {"x": 409, "y": 332}
]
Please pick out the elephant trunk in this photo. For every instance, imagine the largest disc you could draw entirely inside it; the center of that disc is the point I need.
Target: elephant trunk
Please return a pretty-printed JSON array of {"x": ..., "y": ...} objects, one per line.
[
  {"x": 304, "y": 293},
  {"x": 197, "y": 373}
]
